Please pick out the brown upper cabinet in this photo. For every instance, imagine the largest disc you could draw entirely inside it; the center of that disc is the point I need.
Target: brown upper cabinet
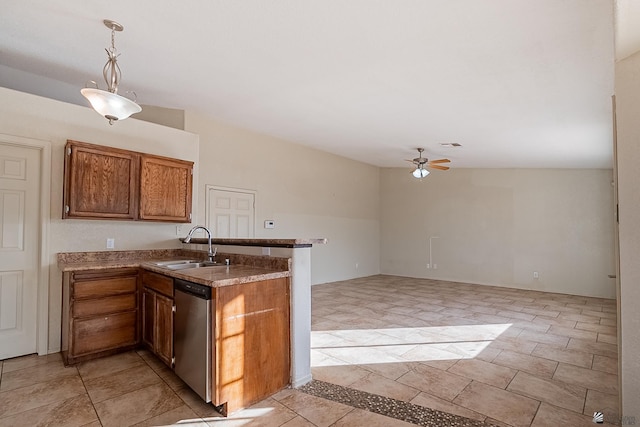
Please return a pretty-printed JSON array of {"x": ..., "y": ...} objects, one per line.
[{"x": 109, "y": 183}]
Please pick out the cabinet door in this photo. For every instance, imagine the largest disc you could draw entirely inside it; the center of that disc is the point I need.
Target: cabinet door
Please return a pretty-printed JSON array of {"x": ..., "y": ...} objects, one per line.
[
  {"x": 100, "y": 182},
  {"x": 148, "y": 318},
  {"x": 165, "y": 189},
  {"x": 164, "y": 329}
]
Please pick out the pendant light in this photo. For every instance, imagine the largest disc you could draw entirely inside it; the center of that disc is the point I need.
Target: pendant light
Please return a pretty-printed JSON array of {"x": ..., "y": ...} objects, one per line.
[
  {"x": 420, "y": 172},
  {"x": 108, "y": 103}
]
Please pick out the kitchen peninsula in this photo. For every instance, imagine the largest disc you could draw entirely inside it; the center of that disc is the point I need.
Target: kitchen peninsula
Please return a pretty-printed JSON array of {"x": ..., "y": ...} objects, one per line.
[{"x": 117, "y": 300}]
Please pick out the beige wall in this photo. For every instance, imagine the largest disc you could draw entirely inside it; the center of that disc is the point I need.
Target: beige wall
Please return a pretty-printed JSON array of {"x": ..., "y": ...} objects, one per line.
[
  {"x": 308, "y": 193},
  {"x": 45, "y": 119},
  {"x": 498, "y": 226},
  {"x": 628, "y": 124}
]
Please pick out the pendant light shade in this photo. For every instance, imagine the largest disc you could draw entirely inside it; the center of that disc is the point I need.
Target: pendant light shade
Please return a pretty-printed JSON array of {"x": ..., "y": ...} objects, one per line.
[
  {"x": 108, "y": 103},
  {"x": 420, "y": 172}
]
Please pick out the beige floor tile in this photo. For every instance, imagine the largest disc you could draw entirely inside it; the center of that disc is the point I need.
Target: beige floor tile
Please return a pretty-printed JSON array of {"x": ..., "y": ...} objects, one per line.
[
  {"x": 195, "y": 402},
  {"x": 341, "y": 375},
  {"x": 433, "y": 402},
  {"x": 600, "y": 314},
  {"x": 434, "y": 381},
  {"x": 361, "y": 418},
  {"x": 182, "y": 416},
  {"x": 594, "y": 380},
  {"x": 74, "y": 412},
  {"x": 392, "y": 371},
  {"x": 110, "y": 365},
  {"x": 538, "y": 366},
  {"x": 382, "y": 386},
  {"x": 574, "y": 332},
  {"x": 44, "y": 393},
  {"x": 488, "y": 354},
  {"x": 545, "y": 390},
  {"x": 605, "y": 364},
  {"x": 517, "y": 315},
  {"x": 602, "y": 402},
  {"x": 105, "y": 387},
  {"x": 560, "y": 354},
  {"x": 544, "y": 338},
  {"x": 137, "y": 406},
  {"x": 298, "y": 422},
  {"x": 443, "y": 365},
  {"x": 579, "y": 317},
  {"x": 600, "y": 328},
  {"x": 29, "y": 361},
  {"x": 609, "y": 339},
  {"x": 609, "y": 322},
  {"x": 551, "y": 321},
  {"x": 320, "y": 412},
  {"x": 514, "y": 344},
  {"x": 36, "y": 374},
  {"x": 549, "y": 415},
  {"x": 540, "y": 312},
  {"x": 267, "y": 413},
  {"x": 497, "y": 403},
  {"x": 485, "y": 372}
]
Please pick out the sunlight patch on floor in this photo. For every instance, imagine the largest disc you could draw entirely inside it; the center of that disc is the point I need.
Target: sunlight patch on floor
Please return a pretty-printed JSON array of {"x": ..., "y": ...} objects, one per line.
[{"x": 397, "y": 345}]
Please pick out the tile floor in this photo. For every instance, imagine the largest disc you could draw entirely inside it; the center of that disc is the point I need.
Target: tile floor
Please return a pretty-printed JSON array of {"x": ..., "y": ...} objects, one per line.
[{"x": 503, "y": 356}]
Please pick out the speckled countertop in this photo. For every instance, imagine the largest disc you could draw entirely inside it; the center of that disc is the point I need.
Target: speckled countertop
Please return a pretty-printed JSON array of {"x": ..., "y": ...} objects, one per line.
[{"x": 243, "y": 268}]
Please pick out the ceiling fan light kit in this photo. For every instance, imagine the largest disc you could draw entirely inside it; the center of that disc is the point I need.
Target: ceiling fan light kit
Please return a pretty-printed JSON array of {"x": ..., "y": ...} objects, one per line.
[
  {"x": 108, "y": 103},
  {"x": 422, "y": 162},
  {"x": 420, "y": 173}
]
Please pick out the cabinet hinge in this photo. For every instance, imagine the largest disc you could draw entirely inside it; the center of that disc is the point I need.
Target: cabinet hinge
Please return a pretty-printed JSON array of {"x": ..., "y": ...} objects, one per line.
[
  {"x": 191, "y": 171},
  {"x": 189, "y": 216},
  {"x": 173, "y": 308},
  {"x": 173, "y": 362},
  {"x": 68, "y": 151},
  {"x": 66, "y": 208}
]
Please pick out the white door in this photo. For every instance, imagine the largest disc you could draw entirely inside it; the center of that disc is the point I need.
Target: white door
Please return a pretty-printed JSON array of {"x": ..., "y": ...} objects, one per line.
[
  {"x": 231, "y": 213},
  {"x": 19, "y": 248}
]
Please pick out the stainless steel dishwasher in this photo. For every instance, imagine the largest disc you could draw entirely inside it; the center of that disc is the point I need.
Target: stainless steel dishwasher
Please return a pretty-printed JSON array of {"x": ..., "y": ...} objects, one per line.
[{"x": 192, "y": 336}]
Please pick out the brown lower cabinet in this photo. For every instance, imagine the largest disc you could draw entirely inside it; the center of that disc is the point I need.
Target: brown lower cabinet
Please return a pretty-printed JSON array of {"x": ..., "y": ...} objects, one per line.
[
  {"x": 251, "y": 354},
  {"x": 100, "y": 313},
  {"x": 157, "y": 315},
  {"x": 250, "y": 326}
]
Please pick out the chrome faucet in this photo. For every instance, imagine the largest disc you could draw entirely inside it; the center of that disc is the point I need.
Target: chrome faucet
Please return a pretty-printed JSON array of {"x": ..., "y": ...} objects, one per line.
[{"x": 187, "y": 239}]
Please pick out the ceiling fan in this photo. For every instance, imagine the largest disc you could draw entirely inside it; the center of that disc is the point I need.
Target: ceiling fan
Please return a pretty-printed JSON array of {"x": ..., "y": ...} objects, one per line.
[{"x": 422, "y": 162}]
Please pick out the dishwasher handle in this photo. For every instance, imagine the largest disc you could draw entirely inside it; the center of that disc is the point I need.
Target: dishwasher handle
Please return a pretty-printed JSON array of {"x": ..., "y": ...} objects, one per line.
[{"x": 194, "y": 289}]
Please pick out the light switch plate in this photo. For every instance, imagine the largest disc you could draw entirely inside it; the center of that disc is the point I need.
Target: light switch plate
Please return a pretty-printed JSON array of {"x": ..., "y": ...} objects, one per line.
[{"x": 111, "y": 243}]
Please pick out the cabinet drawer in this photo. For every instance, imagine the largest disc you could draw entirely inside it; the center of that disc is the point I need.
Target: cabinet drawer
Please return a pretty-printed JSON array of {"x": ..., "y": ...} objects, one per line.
[
  {"x": 158, "y": 283},
  {"x": 100, "y": 306},
  {"x": 105, "y": 287},
  {"x": 104, "y": 333}
]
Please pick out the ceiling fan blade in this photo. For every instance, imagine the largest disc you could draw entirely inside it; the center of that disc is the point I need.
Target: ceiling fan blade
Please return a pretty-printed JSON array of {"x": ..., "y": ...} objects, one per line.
[
  {"x": 443, "y": 168},
  {"x": 410, "y": 161},
  {"x": 440, "y": 161}
]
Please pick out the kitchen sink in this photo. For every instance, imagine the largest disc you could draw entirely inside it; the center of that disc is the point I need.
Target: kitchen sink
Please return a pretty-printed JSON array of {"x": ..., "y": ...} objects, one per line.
[
  {"x": 189, "y": 263},
  {"x": 194, "y": 265}
]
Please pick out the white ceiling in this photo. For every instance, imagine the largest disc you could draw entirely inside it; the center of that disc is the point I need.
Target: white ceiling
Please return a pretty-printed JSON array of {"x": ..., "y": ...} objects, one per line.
[{"x": 519, "y": 83}]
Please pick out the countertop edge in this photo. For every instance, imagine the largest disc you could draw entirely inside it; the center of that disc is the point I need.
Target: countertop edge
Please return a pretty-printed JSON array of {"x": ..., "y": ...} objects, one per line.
[{"x": 272, "y": 243}]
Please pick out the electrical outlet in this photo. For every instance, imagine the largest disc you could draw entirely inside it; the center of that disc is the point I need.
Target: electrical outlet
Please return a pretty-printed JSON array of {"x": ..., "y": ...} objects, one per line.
[
  {"x": 111, "y": 243},
  {"x": 435, "y": 266},
  {"x": 536, "y": 275},
  {"x": 269, "y": 223},
  {"x": 429, "y": 266},
  {"x": 178, "y": 230},
  {"x": 357, "y": 265}
]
